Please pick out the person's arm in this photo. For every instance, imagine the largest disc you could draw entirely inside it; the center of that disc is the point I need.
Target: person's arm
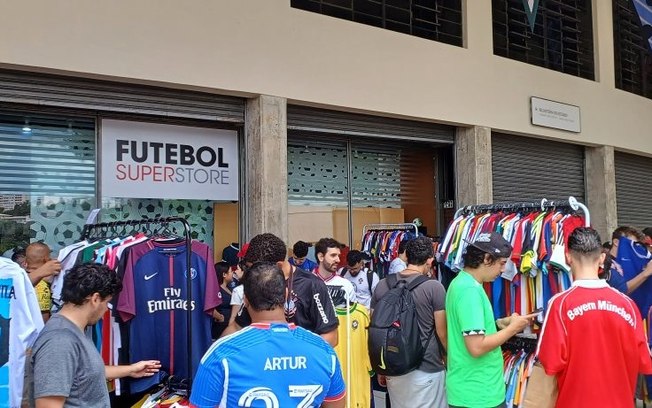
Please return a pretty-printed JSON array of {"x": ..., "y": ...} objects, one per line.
[
  {"x": 146, "y": 368},
  {"x": 341, "y": 403},
  {"x": 217, "y": 316},
  {"x": 480, "y": 344},
  {"x": 321, "y": 313},
  {"x": 234, "y": 312},
  {"x": 375, "y": 282},
  {"x": 638, "y": 280},
  {"x": 469, "y": 309},
  {"x": 553, "y": 348},
  {"x": 331, "y": 337},
  {"x": 50, "y": 402},
  {"x": 440, "y": 327},
  {"x": 336, "y": 392},
  {"x": 233, "y": 326},
  {"x": 50, "y": 268}
]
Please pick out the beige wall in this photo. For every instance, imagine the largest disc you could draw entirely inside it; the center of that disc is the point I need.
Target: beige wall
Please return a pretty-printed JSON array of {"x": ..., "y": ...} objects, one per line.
[{"x": 251, "y": 47}]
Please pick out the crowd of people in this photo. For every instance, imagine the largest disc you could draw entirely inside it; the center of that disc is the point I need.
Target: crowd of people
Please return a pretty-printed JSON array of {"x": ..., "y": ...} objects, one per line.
[{"x": 277, "y": 327}]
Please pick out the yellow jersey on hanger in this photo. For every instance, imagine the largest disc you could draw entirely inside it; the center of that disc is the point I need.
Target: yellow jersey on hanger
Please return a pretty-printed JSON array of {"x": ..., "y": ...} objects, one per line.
[{"x": 353, "y": 330}]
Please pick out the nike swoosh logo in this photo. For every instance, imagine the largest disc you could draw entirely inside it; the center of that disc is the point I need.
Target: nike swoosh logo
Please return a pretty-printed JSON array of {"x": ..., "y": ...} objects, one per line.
[
  {"x": 148, "y": 277},
  {"x": 382, "y": 360}
]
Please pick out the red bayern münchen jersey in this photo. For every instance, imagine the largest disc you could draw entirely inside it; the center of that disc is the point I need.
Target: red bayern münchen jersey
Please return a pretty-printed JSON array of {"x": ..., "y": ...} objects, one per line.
[{"x": 593, "y": 340}]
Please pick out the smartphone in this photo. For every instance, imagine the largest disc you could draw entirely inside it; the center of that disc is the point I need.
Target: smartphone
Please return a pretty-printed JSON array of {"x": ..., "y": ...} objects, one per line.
[{"x": 536, "y": 312}]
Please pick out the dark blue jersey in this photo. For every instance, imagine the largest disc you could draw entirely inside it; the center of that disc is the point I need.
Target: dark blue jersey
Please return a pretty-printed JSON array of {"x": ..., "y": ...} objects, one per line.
[
  {"x": 272, "y": 366},
  {"x": 155, "y": 302},
  {"x": 633, "y": 257}
]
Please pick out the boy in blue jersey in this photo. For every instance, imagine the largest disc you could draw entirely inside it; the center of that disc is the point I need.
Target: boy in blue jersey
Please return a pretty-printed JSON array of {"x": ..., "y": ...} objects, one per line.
[
  {"x": 628, "y": 266},
  {"x": 271, "y": 363},
  {"x": 300, "y": 258}
]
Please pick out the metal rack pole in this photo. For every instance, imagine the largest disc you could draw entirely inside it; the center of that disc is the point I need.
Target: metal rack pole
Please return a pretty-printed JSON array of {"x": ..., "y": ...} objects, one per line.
[
  {"x": 398, "y": 226},
  {"x": 572, "y": 202}
]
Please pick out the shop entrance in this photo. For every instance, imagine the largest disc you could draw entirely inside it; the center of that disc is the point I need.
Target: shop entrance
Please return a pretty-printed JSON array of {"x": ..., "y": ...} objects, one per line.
[{"x": 337, "y": 187}]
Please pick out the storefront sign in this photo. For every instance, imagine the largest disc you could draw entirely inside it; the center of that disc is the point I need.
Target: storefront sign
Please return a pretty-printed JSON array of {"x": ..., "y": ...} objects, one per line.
[
  {"x": 555, "y": 115},
  {"x": 145, "y": 160}
]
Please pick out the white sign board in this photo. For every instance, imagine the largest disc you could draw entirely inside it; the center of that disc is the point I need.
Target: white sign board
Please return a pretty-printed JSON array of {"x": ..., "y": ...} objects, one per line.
[
  {"x": 555, "y": 115},
  {"x": 145, "y": 160}
]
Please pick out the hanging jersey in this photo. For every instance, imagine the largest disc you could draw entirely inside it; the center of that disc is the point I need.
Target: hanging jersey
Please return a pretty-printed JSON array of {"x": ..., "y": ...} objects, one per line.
[
  {"x": 20, "y": 324},
  {"x": 274, "y": 365},
  {"x": 154, "y": 299},
  {"x": 353, "y": 351},
  {"x": 593, "y": 340},
  {"x": 68, "y": 258},
  {"x": 43, "y": 295}
]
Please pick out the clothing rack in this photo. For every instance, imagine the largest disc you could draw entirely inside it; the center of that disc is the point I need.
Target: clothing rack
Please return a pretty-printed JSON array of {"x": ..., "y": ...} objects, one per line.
[
  {"x": 390, "y": 227},
  {"x": 152, "y": 225},
  {"x": 528, "y": 205}
]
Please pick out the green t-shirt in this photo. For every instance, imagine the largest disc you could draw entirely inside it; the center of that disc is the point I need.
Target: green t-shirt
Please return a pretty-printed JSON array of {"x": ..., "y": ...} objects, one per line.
[{"x": 471, "y": 382}]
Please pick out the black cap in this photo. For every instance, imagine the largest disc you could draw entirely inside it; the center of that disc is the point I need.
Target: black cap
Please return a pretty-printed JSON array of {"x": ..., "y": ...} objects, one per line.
[{"x": 492, "y": 243}]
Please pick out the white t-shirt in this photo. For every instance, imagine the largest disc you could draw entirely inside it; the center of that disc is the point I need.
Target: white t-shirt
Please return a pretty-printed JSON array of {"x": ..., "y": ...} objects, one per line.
[
  {"x": 396, "y": 266},
  {"x": 237, "y": 296},
  {"x": 361, "y": 284},
  {"x": 20, "y": 316},
  {"x": 340, "y": 289}
]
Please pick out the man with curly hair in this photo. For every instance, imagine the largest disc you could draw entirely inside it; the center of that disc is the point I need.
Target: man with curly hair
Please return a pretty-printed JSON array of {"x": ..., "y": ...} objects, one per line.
[
  {"x": 308, "y": 304},
  {"x": 68, "y": 370}
]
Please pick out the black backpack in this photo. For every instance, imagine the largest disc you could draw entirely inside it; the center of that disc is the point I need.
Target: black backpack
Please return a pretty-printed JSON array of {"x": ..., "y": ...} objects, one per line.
[{"x": 395, "y": 346}]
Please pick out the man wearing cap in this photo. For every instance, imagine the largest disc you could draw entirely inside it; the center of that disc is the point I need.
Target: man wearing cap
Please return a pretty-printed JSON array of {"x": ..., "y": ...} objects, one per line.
[{"x": 475, "y": 362}]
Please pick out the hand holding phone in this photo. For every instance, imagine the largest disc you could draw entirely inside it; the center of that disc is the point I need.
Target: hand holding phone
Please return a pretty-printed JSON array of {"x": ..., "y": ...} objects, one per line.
[{"x": 535, "y": 312}]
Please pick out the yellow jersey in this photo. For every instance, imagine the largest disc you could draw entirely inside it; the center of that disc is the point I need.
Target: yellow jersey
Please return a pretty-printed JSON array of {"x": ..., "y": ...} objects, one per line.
[
  {"x": 358, "y": 381},
  {"x": 43, "y": 295}
]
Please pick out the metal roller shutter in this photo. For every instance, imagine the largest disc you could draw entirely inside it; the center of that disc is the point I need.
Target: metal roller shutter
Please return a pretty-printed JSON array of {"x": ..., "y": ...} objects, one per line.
[
  {"x": 317, "y": 173},
  {"x": 105, "y": 96},
  {"x": 55, "y": 158},
  {"x": 530, "y": 169},
  {"x": 633, "y": 191},
  {"x": 307, "y": 119}
]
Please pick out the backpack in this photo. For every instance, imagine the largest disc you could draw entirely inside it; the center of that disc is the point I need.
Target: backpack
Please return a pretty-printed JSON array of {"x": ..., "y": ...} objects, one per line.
[
  {"x": 395, "y": 346},
  {"x": 370, "y": 278}
]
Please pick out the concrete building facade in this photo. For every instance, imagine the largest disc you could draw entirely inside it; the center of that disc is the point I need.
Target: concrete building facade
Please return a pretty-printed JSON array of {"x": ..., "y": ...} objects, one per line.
[{"x": 272, "y": 59}]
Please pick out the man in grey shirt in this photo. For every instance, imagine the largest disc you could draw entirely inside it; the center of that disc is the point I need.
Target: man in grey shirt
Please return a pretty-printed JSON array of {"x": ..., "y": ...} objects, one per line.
[
  {"x": 425, "y": 386},
  {"x": 68, "y": 370}
]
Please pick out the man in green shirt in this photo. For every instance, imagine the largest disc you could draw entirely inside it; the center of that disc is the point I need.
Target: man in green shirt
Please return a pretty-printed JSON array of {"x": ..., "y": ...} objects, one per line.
[{"x": 475, "y": 363}]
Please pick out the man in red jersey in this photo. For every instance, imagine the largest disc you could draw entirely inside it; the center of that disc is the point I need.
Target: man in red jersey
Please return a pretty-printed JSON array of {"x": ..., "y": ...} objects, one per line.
[{"x": 593, "y": 338}]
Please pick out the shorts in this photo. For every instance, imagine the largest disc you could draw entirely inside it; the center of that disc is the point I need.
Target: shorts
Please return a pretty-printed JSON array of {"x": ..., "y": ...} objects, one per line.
[{"x": 418, "y": 389}]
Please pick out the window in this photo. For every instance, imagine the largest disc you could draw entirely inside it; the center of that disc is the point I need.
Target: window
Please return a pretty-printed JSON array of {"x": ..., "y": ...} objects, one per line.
[
  {"x": 47, "y": 179},
  {"x": 437, "y": 20},
  {"x": 562, "y": 39},
  {"x": 633, "y": 52}
]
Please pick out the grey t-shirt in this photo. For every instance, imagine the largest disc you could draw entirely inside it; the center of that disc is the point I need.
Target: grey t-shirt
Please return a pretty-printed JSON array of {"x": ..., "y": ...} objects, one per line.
[
  {"x": 429, "y": 297},
  {"x": 67, "y": 364}
]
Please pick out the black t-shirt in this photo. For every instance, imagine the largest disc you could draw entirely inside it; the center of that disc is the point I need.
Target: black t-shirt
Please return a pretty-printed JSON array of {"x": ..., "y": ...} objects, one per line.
[
  {"x": 308, "y": 304},
  {"x": 225, "y": 309}
]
